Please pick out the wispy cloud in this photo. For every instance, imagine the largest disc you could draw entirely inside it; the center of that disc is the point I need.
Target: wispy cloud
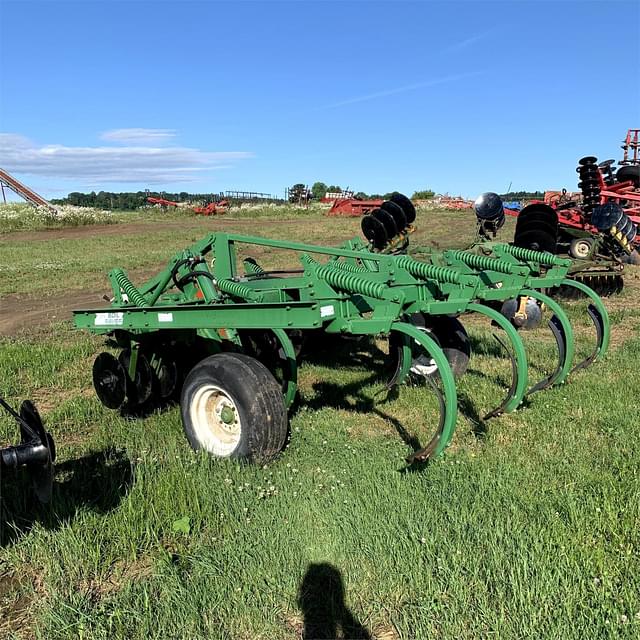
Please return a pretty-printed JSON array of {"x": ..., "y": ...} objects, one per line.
[
  {"x": 142, "y": 165},
  {"x": 139, "y": 136},
  {"x": 409, "y": 87},
  {"x": 467, "y": 42}
]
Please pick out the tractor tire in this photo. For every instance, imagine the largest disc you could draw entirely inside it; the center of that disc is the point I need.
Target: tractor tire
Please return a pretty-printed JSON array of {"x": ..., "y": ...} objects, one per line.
[
  {"x": 581, "y": 248},
  {"x": 232, "y": 407}
]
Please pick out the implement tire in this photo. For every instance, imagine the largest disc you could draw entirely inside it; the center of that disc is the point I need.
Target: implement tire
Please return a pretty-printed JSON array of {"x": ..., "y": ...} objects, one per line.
[{"x": 232, "y": 407}]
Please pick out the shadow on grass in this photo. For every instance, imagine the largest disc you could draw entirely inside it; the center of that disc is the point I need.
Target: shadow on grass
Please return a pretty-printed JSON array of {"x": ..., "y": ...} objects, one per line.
[
  {"x": 95, "y": 482},
  {"x": 365, "y": 354},
  {"x": 321, "y": 599}
]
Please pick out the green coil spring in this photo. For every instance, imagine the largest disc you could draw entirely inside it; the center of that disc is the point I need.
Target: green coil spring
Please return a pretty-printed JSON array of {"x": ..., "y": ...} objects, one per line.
[
  {"x": 482, "y": 262},
  {"x": 239, "y": 290},
  {"x": 349, "y": 266},
  {"x": 428, "y": 271},
  {"x": 542, "y": 257},
  {"x": 252, "y": 267},
  {"x": 351, "y": 283},
  {"x": 129, "y": 288}
]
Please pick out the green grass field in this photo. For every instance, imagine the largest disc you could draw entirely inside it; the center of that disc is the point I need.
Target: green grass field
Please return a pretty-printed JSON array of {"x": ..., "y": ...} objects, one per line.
[{"x": 528, "y": 527}]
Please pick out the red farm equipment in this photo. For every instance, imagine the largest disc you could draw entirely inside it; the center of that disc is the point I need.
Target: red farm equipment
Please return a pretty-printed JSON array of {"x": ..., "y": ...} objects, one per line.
[
  {"x": 162, "y": 202},
  {"x": 598, "y": 227},
  {"x": 213, "y": 208},
  {"x": 352, "y": 207}
]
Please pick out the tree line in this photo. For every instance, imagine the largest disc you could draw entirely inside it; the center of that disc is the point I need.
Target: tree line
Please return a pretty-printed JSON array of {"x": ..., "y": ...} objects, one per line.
[
  {"x": 129, "y": 200},
  {"x": 297, "y": 193}
]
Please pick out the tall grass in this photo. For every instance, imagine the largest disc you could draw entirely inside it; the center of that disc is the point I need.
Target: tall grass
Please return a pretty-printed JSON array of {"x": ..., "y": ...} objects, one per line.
[{"x": 24, "y": 217}]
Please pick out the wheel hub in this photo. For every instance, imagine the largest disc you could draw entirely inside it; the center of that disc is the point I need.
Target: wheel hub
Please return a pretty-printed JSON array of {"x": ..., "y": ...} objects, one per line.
[{"x": 216, "y": 419}]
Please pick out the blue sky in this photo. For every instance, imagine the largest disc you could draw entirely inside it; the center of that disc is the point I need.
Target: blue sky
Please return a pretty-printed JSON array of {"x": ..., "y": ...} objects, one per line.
[{"x": 459, "y": 97}]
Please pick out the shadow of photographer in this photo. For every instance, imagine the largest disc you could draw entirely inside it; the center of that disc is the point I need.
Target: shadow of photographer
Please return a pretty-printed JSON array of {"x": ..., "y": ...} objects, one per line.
[{"x": 321, "y": 599}]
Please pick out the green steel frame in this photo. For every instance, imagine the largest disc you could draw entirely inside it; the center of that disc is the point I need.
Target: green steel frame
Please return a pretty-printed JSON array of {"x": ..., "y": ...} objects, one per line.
[{"x": 346, "y": 290}]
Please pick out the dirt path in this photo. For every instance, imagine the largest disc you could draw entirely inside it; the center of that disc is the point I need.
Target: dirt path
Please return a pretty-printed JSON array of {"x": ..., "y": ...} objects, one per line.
[{"x": 17, "y": 313}]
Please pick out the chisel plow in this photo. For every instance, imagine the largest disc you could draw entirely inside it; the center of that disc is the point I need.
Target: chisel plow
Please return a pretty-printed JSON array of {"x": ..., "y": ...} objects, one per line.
[{"x": 242, "y": 325}]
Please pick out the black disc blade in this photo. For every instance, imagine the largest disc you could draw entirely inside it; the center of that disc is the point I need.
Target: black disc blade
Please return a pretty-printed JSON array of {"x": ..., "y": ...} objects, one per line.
[
  {"x": 396, "y": 212},
  {"x": 138, "y": 389},
  {"x": 387, "y": 220},
  {"x": 109, "y": 381},
  {"x": 41, "y": 473},
  {"x": 537, "y": 240},
  {"x": 166, "y": 377},
  {"x": 406, "y": 205},
  {"x": 30, "y": 415},
  {"x": 374, "y": 231}
]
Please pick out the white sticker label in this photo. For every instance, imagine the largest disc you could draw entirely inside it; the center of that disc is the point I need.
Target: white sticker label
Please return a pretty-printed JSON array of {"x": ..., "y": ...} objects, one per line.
[
  {"x": 109, "y": 319},
  {"x": 165, "y": 317},
  {"x": 327, "y": 311}
]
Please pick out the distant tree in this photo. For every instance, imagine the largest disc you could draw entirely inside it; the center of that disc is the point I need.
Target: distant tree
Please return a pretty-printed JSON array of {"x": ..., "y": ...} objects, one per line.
[
  {"x": 318, "y": 189},
  {"x": 361, "y": 195},
  {"x": 334, "y": 189},
  {"x": 522, "y": 195},
  {"x": 426, "y": 194},
  {"x": 299, "y": 193}
]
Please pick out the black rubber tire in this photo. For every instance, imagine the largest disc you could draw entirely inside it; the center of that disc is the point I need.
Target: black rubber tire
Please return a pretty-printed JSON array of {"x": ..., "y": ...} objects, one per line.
[
  {"x": 629, "y": 172},
  {"x": 256, "y": 396}
]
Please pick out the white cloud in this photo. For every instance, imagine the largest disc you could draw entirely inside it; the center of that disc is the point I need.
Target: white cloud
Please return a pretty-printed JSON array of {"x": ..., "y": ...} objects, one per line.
[
  {"x": 139, "y": 136},
  {"x": 141, "y": 165}
]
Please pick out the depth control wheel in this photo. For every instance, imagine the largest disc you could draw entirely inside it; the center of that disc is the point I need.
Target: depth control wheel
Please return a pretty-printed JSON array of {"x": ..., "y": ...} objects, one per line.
[
  {"x": 232, "y": 407},
  {"x": 581, "y": 248}
]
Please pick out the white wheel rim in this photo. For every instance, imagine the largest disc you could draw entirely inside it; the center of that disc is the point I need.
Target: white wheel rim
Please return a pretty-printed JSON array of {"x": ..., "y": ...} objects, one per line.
[
  {"x": 426, "y": 367},
  {"x": 583, "y": 249},
  {"x": 215, "y": 420}
]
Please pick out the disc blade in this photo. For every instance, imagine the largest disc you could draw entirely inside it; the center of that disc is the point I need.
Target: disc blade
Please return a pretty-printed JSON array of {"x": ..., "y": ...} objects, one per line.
[{"x": 109, "y": 381}]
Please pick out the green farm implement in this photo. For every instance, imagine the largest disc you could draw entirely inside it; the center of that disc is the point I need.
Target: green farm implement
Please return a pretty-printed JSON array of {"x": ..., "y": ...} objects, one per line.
[{"x": 237, "y": 328}]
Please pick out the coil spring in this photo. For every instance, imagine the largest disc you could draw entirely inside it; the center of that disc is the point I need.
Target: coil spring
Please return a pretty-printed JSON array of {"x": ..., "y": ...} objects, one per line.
[
  {"x": 252, "y": 267},
  {"x": 238, "y": 290},
  {"x": 129, "y": 288},
  {"x": 349, "y": 266},
  {"x": 428, "y": 271},
  {"x": 530, "y": 255},
  {"x": 482, "y": 262},
  {"x": 351, "y": 283},
  {"x": 589, "y": 183}
]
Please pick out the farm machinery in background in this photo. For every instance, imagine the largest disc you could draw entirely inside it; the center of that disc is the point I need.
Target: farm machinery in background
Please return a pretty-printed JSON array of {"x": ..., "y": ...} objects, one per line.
[
  {"x": 7, "y": 181},
  {"x": 213, "y": 208},
  {"x": 226, "y": 335},
  {"x": 209, "y": 209},
  {"x": 598, "y": 228},
  {"x": 344, "y": 203},
  {"x": 161, "y": 202}
]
